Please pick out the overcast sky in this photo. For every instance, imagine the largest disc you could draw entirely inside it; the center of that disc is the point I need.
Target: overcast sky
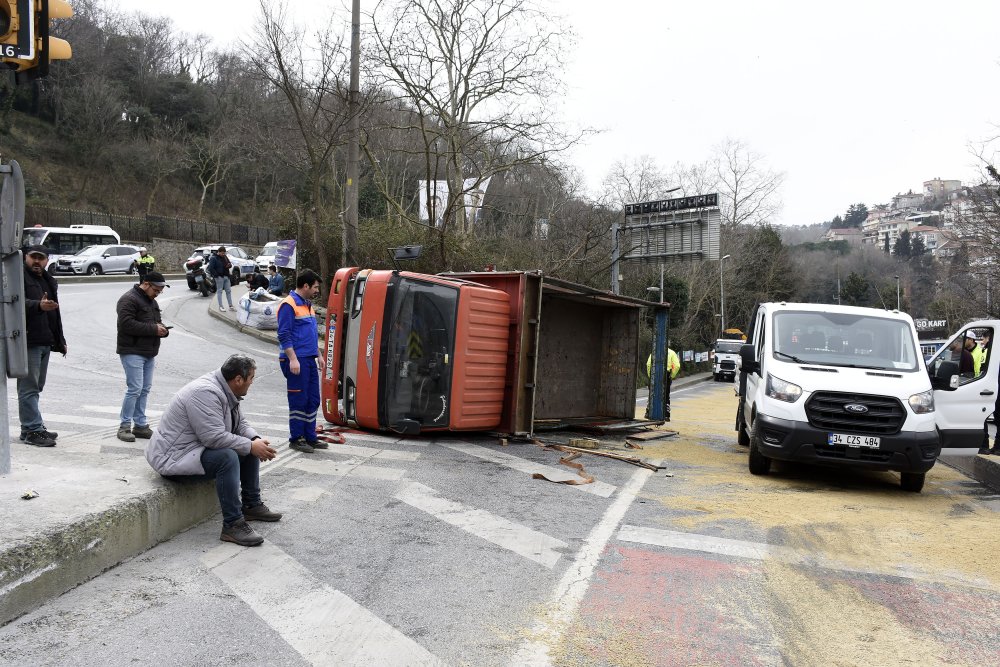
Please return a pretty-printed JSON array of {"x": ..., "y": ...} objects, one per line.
[{"x": 854, "y": 101}]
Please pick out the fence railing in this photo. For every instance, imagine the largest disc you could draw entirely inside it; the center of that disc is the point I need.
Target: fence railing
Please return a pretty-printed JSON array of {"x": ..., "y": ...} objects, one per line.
[{"x": 148, "y": 227}]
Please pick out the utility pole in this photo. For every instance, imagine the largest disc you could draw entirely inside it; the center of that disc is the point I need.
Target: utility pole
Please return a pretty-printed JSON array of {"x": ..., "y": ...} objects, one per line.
[
  {"x": 354, "y": 144},
  {"x": 615, "y": 256}
]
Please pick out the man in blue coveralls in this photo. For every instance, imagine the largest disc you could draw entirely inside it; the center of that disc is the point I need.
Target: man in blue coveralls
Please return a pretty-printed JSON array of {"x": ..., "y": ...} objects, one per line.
[{"x": 298, "y": 340}]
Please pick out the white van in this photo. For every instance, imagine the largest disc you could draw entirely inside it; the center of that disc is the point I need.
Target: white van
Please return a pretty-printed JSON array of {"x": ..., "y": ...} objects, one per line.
[
  {"x": 727, "y": 359},
  {"x": 839, "y": 385},
  {"x": 66, "y": 241}
]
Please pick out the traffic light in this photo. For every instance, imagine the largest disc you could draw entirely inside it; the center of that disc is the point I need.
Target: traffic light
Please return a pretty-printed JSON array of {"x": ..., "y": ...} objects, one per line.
[
  {"x": 17, "y": 27},
  {"x": 25, "y": 44}
]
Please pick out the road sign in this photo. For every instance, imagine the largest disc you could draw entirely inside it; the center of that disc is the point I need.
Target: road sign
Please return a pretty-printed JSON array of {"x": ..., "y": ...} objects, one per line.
[{"x": 685, "y": 229}]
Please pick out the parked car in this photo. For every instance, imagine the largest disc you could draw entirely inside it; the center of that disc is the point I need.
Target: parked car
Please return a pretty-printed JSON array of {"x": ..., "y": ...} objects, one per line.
[
  {"x": 243, "y": 265},
  {"x": 97, "y": 259},
  {"x": 266, "y": 256},
  {"x": 67, "y": 241}
]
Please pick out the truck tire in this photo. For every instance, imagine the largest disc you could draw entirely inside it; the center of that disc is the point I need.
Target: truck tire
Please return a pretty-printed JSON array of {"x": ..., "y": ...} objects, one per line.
[
  {"x": 912, "y": 481},
  {"x": 757, "y": 462}
]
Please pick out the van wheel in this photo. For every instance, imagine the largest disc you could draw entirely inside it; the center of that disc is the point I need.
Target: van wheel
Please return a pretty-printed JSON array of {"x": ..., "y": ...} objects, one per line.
[
  {"x": 94, "y": 270},
  {"x": 912, "y": 481},
  {"x": 758, "y": 463}
]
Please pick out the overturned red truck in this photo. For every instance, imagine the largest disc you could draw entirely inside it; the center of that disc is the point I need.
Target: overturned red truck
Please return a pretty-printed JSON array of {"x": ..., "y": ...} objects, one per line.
[{"x": 507, "y": 352}]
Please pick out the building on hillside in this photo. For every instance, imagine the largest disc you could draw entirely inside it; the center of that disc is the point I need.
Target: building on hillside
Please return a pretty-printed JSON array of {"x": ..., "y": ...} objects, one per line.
[
  {"x": 948, "y": 247},
  {"x": 876, "y": 215},
  {"x": 891, "y": 228},
  {"x": 933, "y": 237},
  {"x": 907, "y": 202},
  {"x": 936, "y": 187},
  {"x": 926, "y": 218},
  {"x": 852, "y": 235}
]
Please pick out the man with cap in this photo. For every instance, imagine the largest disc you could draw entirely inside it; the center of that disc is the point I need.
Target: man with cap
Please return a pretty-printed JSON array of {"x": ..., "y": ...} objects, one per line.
[
  {"x": 145, "y": 263},
  {"x": 221, "y": 268},
  {"x": 140, "y": 329},
  {"x": 43, "y": 333}
]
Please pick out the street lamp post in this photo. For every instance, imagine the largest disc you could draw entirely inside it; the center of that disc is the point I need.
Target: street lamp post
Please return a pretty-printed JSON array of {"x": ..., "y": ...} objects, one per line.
[
  {"x": 897, "y": 292},
  {"x": 722, "y": 294}
]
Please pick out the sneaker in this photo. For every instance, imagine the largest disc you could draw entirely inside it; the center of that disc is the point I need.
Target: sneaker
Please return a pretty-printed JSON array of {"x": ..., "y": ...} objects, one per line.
[
  {"x": 318, "y": 444},
  {"x": 51, "y": 435},
  {"x": 222, "y": 309},
  {"x": 995, "y": 451},
  {"x": 241, "y": 533},
  {"x": 38, "y": 439},
  {"x": 125, "y": 434},
  {"x": 260, "y": 513},
  {"x": 142, "y": 432},
  {"x": 301, "y": 445}
]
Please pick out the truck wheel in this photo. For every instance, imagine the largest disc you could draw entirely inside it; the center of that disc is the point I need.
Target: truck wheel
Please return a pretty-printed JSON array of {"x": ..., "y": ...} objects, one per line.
[
  {"x": 758, "y": 463},
  {"x": 912, "y": 481}
]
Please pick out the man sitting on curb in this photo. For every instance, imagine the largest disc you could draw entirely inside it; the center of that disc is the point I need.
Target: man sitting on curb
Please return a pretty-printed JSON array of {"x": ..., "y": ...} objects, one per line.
[{"x": 203, "y": 435}]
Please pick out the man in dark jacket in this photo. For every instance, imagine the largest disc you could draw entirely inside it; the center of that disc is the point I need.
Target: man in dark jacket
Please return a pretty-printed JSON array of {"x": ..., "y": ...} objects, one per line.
[
  {"x": 220, "y": 268},
  {"x": 140, "y": 329},
  {"x": 43, "y": 334}
]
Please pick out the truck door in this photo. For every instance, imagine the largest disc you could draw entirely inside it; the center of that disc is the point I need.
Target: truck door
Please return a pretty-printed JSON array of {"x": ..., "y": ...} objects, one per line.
[
  {"x": 750, "y": 381},
  {"x": 961, "y": 413}
]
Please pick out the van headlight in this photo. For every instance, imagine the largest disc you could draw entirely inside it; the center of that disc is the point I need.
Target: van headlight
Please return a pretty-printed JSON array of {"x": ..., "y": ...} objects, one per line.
[
  {"x": 781, "y": 390},
  {"x": 922, "y": 403}
]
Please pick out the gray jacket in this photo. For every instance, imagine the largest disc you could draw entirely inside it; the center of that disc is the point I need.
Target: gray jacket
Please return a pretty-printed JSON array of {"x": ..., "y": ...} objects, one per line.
[{"x": 205, "y": 413}]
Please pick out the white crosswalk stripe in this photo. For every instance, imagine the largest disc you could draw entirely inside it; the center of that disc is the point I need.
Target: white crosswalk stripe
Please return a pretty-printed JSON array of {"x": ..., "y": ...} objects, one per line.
[
  {"x": 602, "y": 489},
  {"x": 324, "y": 625},
  {"x": 502, "y": 532},
  {"x": 349, "y": 468},
  {"x": 117, "y": 410}
]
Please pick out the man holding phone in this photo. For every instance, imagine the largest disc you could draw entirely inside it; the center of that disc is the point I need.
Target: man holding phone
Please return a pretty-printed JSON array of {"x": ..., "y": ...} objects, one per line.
[{"x": 140, "y": 329}]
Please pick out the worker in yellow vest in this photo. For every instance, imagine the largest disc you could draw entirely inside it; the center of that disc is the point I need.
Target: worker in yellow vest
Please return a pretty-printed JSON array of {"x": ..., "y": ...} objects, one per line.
[
  {"x": 144, "y": 264},
  {"x": 673, "y": 368}
]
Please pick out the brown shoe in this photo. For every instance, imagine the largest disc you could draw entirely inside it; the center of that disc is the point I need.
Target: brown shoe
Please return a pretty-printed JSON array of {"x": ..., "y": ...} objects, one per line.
[
  {"x": 260, "y": 513},
  {"x": 242, "y": 534}
]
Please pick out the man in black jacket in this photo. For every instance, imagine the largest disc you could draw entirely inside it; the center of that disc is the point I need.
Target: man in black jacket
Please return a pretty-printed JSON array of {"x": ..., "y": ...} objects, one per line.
[
  {"x": 140, "y": 329},
  {"x": 43, "y": 333}
]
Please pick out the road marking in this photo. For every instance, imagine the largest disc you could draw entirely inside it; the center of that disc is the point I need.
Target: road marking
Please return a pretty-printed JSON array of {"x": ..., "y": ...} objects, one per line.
[
  {"x": 569, "y": 592},
  {"x": 110, "y": 409},
  {"x": 522, "y": 540},
  {"x": 324, "y": 625},
  {"x": 372, "y": 453},
  {"x": 602, "y": 489},
  {"x": 350, "y": 468},
  {"x": 84, "y": 421},
  {"x": 673, "y": 539}
]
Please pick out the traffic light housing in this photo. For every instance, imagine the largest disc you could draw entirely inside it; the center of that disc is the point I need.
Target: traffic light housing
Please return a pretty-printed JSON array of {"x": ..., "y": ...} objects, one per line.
[{"x": 25, "y": 44}]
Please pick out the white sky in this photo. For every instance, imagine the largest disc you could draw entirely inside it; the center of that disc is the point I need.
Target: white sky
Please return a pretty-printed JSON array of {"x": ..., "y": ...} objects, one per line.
[{"x": 854, "y": 101}]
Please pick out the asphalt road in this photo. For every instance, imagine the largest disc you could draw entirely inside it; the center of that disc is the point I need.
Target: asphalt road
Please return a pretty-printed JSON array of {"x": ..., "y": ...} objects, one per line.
[{"x": 447, "y": 551}]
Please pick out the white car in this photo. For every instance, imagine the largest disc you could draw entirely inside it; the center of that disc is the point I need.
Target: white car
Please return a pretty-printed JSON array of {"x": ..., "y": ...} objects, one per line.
[
  {"x": 97, "y": 259},
  {"x": 266, "y": 256}
]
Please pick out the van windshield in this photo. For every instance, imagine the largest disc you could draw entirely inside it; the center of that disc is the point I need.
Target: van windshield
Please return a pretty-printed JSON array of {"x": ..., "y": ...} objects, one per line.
[
  {"x": 845, "y": 339},
  {"x": 420, "y": 342}
]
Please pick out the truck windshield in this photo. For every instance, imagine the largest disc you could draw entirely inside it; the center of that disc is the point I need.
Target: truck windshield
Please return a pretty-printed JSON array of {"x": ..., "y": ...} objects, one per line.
[
  {"x": 845, "y": 339},
  {"x": 419, "y": 349},
  {"x": 728, "y": 346}
]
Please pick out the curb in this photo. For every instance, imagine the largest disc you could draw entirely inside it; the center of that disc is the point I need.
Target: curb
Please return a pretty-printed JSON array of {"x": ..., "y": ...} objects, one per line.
[
  {"x": 39, "y": 568},
  {"x": 983, "y": 469},
  {"x": 266, "y": 336},
  {"x": 67, "y": 278}
]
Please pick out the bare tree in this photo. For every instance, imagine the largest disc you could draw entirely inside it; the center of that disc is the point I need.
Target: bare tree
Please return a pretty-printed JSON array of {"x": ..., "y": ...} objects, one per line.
[
  {"x": 633, "y": 181},
  {"x": 310, "y": 76},
  {"x": 480, "y": 76}
]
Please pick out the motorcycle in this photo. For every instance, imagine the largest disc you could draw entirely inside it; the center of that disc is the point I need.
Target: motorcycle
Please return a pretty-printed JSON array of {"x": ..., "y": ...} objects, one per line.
[{"x": 204, "y": 283}]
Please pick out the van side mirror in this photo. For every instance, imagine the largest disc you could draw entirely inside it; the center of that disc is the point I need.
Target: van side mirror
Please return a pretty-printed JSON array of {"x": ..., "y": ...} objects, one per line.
[
  {"x": 748, "y": 362},
  {"x": 944, "y": 375}
]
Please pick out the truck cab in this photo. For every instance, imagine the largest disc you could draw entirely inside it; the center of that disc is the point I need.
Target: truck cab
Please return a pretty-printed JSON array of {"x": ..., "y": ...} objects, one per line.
[{"x": 727, "y": 359}]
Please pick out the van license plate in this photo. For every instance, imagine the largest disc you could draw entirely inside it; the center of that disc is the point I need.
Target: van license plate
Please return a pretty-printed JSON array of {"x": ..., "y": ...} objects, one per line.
[{"x": 854, "y": 440}]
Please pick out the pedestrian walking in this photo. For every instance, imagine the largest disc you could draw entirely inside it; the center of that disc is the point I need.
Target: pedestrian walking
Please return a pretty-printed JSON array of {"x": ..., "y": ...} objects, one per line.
[
  {"x": 221, "y": 269},
  {"x": 203, "y": 435},
  {"x": 144, "y": 264},
  {"x": 140, "y": 328},
  {"x": 43, "y": 334},
  {"x": 298, "y": 357}
]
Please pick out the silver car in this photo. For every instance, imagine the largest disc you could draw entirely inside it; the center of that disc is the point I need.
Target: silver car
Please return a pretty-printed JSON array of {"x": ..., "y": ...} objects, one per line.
[{"x": 95, "y": 260}]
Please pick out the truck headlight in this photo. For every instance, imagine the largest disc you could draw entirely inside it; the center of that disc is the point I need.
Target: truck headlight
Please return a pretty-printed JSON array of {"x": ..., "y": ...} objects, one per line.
[
  {"x": 781, "y": 390},
  {"x": 922, "y": 403}
]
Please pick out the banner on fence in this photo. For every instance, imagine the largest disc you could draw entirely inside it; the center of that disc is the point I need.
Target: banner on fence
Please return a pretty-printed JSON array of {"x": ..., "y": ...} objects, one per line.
[{"x": 285, "y": 257}]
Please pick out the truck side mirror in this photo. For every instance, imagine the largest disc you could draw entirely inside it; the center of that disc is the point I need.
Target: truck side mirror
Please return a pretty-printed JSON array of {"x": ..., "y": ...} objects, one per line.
[
  {"x": 748, "y": 362},
  {"x": 944, "y": 375}
]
